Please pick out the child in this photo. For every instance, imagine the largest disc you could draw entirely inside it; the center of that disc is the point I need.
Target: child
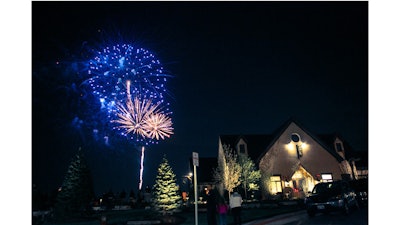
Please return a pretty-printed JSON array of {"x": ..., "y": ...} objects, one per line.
[{"x": 222, "y": 210}]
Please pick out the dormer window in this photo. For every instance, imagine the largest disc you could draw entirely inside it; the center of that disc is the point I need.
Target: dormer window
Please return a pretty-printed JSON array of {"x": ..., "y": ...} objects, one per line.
[
  {"x": 339, "y": 147},
  {"x": 242, "y": 149}
]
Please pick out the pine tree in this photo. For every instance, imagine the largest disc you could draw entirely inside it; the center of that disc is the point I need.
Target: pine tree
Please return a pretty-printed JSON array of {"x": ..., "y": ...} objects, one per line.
[
  {"x": 77, "y": 190},
  {"x": 166, "y": 195}
]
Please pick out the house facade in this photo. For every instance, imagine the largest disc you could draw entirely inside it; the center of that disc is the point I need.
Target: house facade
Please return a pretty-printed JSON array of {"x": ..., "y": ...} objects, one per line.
[{"x": 293, "y": 160}]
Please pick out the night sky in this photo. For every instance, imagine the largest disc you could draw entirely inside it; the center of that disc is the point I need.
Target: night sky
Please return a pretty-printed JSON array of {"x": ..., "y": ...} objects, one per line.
[{"x": 238, "y": 68}]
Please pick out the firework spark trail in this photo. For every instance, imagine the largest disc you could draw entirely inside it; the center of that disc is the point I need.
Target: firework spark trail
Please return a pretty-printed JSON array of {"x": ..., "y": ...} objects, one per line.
[
  {"x": 144, "y": 119},
  {"x": 141, "y": 169}
]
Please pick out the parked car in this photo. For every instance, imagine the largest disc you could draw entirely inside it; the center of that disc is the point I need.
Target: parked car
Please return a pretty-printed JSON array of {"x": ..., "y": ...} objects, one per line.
[
  {"x": 331, "y": 196},
  {"x": 361, "y": 188}
]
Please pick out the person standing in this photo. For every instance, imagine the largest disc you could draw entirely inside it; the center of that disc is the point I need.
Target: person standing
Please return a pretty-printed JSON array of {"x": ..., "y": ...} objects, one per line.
[
  {"x": 211, "y": 208},
  {"x": 235, "y": 203},
  {"x": 222, "y": 210}
]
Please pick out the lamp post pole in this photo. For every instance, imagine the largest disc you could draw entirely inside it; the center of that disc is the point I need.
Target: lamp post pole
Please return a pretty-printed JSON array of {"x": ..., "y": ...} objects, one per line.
[{"x": 195, "y": 164}]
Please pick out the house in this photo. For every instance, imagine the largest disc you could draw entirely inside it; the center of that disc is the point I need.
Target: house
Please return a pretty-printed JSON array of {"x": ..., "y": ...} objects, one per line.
[{"x": 293, "y": 160}]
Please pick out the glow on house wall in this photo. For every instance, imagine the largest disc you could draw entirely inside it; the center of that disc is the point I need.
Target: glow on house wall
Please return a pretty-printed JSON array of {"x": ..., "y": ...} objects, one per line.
[{"x": 296, "y": 146}]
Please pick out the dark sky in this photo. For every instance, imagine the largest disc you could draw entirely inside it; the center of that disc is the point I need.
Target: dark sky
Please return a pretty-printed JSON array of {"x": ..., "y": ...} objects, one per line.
[{"x": 238, "y": 68}]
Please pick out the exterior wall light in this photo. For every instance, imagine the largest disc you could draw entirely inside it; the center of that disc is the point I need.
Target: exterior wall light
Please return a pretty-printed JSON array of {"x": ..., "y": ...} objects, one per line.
[
  {"x": 296, "y": 146},
  {"x": 299, "y": 145}
]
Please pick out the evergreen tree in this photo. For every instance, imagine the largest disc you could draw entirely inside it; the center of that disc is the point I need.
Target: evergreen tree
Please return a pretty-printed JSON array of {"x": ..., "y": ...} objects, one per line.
[
  {"x": 77, "y": 189},
  {"x": 166, "y": 191}
]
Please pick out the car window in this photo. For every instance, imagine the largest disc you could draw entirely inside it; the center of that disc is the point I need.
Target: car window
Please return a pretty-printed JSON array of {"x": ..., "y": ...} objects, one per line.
[
  {"x": 320, "y": 188},
  {"x": 331, "y": 188}
]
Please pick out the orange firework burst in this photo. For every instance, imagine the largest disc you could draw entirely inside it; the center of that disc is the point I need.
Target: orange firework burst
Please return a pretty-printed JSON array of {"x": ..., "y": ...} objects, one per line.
[
  {"x": 133, "y": 117},
  {"x": 158, "y": 126},
  {"x": 143, "y": 118}
]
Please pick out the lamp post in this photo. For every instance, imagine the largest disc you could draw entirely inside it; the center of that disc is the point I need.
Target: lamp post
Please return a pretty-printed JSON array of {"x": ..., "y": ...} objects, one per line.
[{"x": 195, "y": 156}]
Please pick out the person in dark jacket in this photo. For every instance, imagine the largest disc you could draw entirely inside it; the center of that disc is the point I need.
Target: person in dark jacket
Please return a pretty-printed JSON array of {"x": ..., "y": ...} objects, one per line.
[{"x": 211, "y": 208}]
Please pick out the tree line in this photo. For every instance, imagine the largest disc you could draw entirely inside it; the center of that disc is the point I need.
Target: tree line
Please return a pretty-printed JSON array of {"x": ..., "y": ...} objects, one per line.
[{"x": 75, "y": 197}]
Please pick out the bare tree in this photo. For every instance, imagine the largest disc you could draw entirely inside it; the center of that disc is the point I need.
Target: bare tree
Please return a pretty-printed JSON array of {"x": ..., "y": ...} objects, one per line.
[{"x": 228, "y": 171}]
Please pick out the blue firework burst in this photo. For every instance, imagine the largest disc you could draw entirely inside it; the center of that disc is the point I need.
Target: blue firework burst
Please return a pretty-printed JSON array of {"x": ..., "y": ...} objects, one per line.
[
  {"x": 114, "y": 65},
  {"x": 110, "y": 69}
]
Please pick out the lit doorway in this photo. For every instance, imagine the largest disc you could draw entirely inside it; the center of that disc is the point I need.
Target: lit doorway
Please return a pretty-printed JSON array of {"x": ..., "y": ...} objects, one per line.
[{"x": 302, "y": 182}]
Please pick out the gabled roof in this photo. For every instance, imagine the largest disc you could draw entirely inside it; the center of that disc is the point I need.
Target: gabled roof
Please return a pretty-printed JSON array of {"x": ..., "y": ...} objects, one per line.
[{"x": 258, "y": 145}]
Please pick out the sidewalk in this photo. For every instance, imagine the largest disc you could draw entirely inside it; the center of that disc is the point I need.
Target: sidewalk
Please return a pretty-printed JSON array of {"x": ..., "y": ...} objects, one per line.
[
  {"x": 252, "y": 216},
  {"x": 279, "y": 219}
]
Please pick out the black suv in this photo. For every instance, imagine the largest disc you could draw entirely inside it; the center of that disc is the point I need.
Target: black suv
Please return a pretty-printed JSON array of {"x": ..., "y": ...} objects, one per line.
[{"x": 331, "y": 196}]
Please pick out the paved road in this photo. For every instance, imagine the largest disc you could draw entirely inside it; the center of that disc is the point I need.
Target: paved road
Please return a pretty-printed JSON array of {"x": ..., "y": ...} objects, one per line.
[{"x": 357, "y": 217}]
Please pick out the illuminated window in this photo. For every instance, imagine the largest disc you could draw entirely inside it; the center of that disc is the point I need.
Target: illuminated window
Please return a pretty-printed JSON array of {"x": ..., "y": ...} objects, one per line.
[
  {"x": 326, "y": 177},
  {"x": 276, "y": 184}
]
